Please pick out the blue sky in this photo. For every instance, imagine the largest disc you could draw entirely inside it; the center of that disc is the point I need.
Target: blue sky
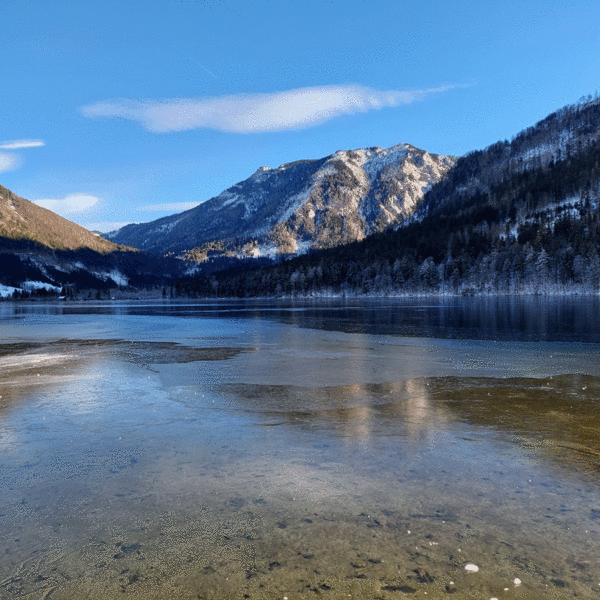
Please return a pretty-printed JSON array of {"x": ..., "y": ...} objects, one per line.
[{"x": 121, "y": 111}]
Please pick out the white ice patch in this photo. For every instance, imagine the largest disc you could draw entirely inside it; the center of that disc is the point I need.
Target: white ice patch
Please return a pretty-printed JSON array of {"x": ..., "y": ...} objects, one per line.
[
  {"x": 545, "y": 151},
  {"x": 28, "y": 361}
]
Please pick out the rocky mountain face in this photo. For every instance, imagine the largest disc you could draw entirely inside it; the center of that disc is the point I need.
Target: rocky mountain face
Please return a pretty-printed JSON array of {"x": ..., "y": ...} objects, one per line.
[
  {"x": 518, "y": 217},
  {"x": 308, "y": 204},
  {"x": 39, "y": 250}
]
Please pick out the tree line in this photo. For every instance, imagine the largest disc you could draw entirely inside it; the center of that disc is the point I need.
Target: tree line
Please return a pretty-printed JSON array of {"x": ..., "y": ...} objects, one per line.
[{"x": 531, "y": 231}]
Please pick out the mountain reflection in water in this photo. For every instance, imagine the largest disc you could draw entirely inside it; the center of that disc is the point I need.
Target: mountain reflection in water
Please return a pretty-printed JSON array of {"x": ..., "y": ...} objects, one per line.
[{"x": 270, "y": 450}]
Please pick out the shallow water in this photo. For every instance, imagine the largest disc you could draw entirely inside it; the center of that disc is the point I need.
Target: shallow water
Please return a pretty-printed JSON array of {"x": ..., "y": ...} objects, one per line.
[{"x": 271, "y": 450}]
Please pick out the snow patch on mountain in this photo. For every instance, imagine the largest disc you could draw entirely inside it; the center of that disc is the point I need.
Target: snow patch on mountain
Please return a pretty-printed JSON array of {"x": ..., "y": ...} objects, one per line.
[
  {"x": 118, "y": 277},
  {"x": 6, "y": 291},
  {"x": 298, "y": 206},
  {"x": 298, "y": 200},
  {"x": 30, "y": 286},
  {"x": 380, "y": 159},
  {"x": 227, "y": 198}
]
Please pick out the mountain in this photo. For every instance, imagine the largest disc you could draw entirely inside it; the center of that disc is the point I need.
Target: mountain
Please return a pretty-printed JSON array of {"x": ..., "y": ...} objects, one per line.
[
  {"x": 559, "y": 137},
  {"x": 39, "y": 250},
  {"x": 24, "y": 222},
  {"x": 521, "y": 216},
  {"x": 307, "y": 204}
]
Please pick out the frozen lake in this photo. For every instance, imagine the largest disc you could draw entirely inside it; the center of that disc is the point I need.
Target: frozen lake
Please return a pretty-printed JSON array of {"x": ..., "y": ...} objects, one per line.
[{"x": 270, "y": 450}]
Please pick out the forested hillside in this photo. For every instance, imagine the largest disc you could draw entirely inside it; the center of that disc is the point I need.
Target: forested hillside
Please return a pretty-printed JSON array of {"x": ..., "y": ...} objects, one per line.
[
  {"x": 518, "y": 217},
  {"x": 42, "y": 253},
  {"x": 560, "y": 136}
]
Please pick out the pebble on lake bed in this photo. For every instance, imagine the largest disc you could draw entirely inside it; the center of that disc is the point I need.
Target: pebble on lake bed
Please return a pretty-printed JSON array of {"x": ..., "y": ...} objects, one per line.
[
  {"x": 471, "y": 568},
  {"x": 517, "y": 581}
]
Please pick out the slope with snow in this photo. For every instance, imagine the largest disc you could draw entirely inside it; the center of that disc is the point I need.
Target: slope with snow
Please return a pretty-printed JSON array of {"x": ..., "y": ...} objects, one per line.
[
  {"x": 298, "y": 206},
  {"x": 41, "y": 251}
]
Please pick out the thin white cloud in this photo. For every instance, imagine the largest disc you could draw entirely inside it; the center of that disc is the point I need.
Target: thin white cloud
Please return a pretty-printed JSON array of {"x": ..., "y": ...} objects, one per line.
[
  {"x": 73, "y": 203},
  {"x": 106, "y": 226},
  {"x": 168, "y": 206},
  {"x": 255, "y": 113},
  {"x": 8, "y": 161},
  {"x": 17, "y": 144}
]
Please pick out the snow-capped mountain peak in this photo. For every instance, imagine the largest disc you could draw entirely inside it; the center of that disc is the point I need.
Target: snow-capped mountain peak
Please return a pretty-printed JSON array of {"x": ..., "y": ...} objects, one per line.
[{"x": 299, "y": 205}]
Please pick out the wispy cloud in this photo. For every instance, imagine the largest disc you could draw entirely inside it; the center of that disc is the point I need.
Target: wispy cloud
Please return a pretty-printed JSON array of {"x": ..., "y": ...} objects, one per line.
[
  {"x": 73, "y": 203},
  {"x": 255, "y": 113},
  {"x": 106, "y": 226},
  {"x": 8, "y": 162},
  {"x": 17, "y": 144},
  {"x": 201, "y": 66},
  {"x": 168, "y": 206}
]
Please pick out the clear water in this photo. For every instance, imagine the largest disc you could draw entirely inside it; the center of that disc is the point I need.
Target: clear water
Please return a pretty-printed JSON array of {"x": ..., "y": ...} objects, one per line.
[{"x": 299, "y": 450}]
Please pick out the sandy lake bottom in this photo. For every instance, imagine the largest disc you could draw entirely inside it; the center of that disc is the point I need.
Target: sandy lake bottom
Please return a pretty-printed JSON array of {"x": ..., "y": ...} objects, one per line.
[{"x": 146, "y": 457}]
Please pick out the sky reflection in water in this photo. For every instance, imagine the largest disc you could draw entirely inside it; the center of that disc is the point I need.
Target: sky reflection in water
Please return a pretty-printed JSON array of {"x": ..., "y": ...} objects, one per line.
[{"x": 271, "y": 449}]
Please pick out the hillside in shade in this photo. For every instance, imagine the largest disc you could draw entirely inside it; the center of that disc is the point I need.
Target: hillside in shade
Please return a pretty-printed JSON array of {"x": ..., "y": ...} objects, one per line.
[
  {"x": 299, "y": 206},
  {"x": 41, "y": 251},
  {"x": 23, "y": 222}
]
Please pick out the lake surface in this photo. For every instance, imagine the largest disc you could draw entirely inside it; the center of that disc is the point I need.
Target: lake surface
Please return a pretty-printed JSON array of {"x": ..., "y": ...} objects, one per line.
[{"x": 300, "y": 449}]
